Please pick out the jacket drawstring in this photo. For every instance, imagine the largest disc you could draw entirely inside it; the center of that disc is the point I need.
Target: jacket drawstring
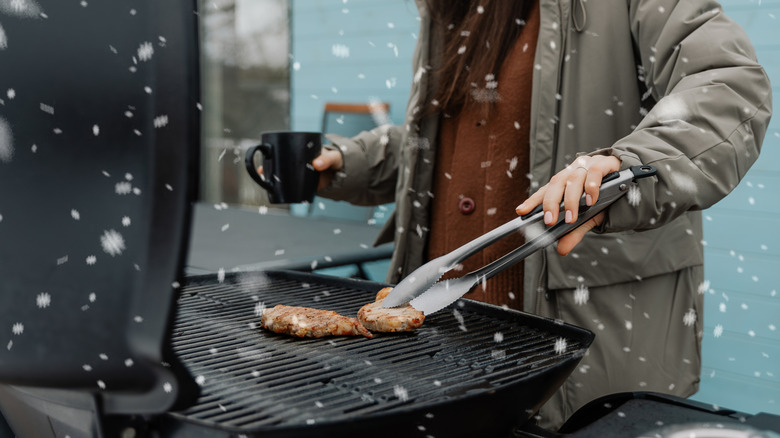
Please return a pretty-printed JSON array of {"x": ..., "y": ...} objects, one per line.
[{"x": 577, "y": 25}]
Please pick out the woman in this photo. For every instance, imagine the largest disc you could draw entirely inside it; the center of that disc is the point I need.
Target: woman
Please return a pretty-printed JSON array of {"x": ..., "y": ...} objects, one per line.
[{"x": 547, "y": 97}]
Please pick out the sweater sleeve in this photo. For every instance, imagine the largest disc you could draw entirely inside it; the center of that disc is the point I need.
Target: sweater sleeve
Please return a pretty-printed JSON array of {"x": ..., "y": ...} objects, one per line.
[
  {"x": 370, "y": 169},
  {"x": 713, "y": 104}
]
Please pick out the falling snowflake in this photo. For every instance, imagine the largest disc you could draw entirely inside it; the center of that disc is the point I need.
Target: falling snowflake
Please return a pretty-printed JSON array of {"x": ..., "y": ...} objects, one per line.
[
  {"x": 96, "y": 130},
  {"x": 112, "y": 242},
  {"x": 126, "y": 221},
  {"x": 123, "y": 188},
  {"x": 18, "y": 328},
  {"x": 21, "y": 8},
  {"x": 340, "y": 51},
  {"x": 3, "y": 39},
  {"x": 717, "y": 331},
  {"x": 560, "y": 345},
  {"x": 221, "y": 275},
  {"x": 634, "y": 195},
  {"x": 6, "y": 136},
  {"x": 160, "y": 121},
  {"x": 47, "y": 108},
  {"x": 91, "y": 260},
  {"x": 167, "y": 387},
  {"x": 581, "y": 295},
  {"x": 498, "y": 337},
  {"x": 75, "y": 214},
  {"x": 704, "y": 287},
  {"x": 690, "y": 317},
  {"x": 401, "y": 393},
  {"x": 145, "y": 51},
  {"x": 43, "y": 300}
]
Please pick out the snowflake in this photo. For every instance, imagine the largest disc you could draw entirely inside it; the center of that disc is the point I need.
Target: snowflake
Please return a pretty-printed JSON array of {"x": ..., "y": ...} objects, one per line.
[
  {"x": 167, "y": 387},
  {"x": 401, "y": 393},
  {"x": 498, "y": 337},
  {"x": 43, "y": 300},
  {"x": 161, "y": 121},
  {"x": 717, "y": 331},
  {"x": 11, "y": 93},
  {"x": 3, "y": 39},
  {"x": 634, "y": 196},
  {"x": 221, "y": 275},
  {"x": 704, "y": 287},
  {"x": 560, "y": 345},
  {"x": 91, "y": 260},
  {"x": 145, "y": 51},
  {"x": 123, "y": 188},
  {"x": 96, "y": 130},
  {"x": 340, "y": 51},
  {"x": 581, "y": 295},
  {"x": 6, "y": 135},
  {"x": 126, "y": 221},
  {"x": 18, "y": 328},
  {"x": 689, "y": 318},
  {"x": 113, "y": 243}
]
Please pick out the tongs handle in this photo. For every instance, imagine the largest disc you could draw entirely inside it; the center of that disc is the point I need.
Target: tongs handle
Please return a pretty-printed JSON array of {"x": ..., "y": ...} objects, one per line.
[
  {"x": 609, "y": 194},
  {"x": 613, "y": 186}
]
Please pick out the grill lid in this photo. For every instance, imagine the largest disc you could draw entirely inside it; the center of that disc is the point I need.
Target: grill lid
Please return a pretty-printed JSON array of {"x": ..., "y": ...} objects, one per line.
[{"x": 95, "y": 191}]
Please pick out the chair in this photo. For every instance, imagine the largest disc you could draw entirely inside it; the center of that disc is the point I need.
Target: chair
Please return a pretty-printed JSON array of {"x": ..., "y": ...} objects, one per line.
[{"x": 349, "y": 119}]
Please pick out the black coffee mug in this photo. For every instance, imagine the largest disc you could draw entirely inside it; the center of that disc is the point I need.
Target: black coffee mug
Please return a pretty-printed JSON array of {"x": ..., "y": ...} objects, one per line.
[{"x": 288, "y": 175}]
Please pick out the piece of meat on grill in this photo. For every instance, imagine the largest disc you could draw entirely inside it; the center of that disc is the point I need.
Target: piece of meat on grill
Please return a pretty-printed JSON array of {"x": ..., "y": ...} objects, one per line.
[
  {"x": 397, "y": 319},
  {"x": 310, "y": 323}
]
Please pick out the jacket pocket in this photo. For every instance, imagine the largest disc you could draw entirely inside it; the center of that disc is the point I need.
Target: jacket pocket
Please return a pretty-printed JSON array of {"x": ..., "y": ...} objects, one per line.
[{"x": 604, "y": 259}]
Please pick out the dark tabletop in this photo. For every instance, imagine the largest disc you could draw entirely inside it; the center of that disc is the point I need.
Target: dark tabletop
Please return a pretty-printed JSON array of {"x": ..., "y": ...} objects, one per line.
[{"x": 229, "y": 238}]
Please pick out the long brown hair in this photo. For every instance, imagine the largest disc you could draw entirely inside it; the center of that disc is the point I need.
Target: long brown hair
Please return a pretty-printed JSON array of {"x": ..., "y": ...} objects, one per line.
[{"x": 477, "y": 35}]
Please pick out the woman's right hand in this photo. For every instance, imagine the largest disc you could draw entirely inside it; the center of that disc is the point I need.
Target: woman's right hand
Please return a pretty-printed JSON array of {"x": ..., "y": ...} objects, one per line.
[{"x": 327, "y": 163}]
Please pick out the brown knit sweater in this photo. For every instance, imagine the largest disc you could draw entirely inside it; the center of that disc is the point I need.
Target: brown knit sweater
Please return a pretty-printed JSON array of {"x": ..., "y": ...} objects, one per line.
[{"x": 483, "y": 163}]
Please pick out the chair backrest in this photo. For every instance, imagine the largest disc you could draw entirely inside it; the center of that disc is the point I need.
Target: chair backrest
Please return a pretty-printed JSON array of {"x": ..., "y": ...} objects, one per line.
[{"x": 349, "y": 119}]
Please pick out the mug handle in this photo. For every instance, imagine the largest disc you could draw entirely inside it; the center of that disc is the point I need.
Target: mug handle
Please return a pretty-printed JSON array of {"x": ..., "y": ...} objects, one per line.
[{"x": 249, "y": 161}]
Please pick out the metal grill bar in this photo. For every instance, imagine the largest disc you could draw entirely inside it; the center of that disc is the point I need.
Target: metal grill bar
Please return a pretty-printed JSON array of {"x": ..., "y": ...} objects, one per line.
[{"x": 252, "y": 379}]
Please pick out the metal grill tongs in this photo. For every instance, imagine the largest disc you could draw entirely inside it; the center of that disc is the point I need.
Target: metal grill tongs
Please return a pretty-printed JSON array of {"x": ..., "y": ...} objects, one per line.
[{"x": 422, "y": 288}]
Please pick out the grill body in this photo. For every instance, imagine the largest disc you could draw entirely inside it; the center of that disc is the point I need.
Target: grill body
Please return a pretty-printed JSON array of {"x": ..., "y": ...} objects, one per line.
[{"x": 472, "y": 368}]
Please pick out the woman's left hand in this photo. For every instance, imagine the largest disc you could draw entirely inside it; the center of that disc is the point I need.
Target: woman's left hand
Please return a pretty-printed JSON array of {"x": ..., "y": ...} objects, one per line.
[{"x": 582, "y": 176}]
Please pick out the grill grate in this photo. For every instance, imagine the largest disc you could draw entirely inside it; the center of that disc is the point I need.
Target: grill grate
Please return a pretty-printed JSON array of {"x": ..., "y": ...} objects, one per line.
[{"x": 253, "y": 380}]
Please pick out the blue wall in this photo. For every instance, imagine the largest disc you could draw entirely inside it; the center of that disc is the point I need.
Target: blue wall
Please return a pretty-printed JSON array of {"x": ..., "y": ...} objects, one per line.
[
  {"x": 741, "y": 344},
  {"x": 353, "y": 51},
  {"x": 742, "y": 254}
]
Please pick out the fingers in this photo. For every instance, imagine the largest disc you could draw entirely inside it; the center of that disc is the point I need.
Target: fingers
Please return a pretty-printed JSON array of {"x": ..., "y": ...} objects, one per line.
[
  {"x": 567, "y": 243},
  {"x": 567, "y": 187},
  {"x": 328, "y": 160}
]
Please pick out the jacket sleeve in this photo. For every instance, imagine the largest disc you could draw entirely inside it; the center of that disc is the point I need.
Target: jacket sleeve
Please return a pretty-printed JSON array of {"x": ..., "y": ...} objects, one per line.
[
  {"x": 370, "y": 167},
  {"x": 713, "y": 104}
]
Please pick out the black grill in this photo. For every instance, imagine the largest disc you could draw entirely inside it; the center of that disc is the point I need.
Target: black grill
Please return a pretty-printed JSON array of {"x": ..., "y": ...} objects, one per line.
[{"x": 257, "y": 382}]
